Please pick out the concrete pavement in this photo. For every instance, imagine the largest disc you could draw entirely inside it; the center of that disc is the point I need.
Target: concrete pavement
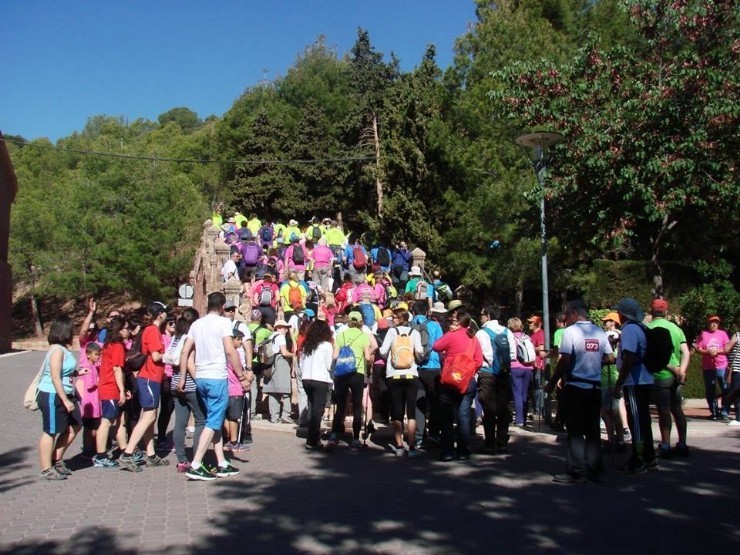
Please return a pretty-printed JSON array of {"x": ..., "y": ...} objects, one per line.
[{"x": 287, "y": 500}]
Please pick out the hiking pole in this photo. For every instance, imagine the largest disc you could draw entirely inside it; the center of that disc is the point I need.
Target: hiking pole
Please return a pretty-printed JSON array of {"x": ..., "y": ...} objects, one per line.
[
  {"x": 365, "y": 433},
  {"x": 612, "y": 416}
]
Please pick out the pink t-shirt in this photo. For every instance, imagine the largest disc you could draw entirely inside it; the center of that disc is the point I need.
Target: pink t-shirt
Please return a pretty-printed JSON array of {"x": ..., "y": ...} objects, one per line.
[
  {"x": 166, "y": 340},
  {"x": 289, "y": 258},
  {"x": 87, "y": 387},
  {"x": 713, "y": 340},
  {"x": 235, "y": 387},
  {"x": 322, "y": 256}
]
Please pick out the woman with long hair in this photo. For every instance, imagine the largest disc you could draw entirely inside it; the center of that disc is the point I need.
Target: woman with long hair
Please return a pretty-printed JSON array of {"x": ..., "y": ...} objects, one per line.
[
  {"x": 60, "y": 412},
  {"x": 459, "y": 339},
  {"x": 315, "y": 366},
  {"x": 183, "y": 391}
]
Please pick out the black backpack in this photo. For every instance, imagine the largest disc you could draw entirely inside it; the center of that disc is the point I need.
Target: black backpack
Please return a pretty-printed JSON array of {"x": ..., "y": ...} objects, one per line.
[
  {"x": 659, "y": 349},
  {"x": 298, "y": 255},
  {"x": 384, "y": 257}
]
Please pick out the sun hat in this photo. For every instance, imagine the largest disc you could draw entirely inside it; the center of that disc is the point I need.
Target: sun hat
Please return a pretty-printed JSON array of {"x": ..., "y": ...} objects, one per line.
[
  {"x": 415, "y": 271},
  {"x": 281, "y": 324},
  {"x": 454, "y": 304},
  {"x": 630, "y": 309},
  {"x": 439, "y": 308}
]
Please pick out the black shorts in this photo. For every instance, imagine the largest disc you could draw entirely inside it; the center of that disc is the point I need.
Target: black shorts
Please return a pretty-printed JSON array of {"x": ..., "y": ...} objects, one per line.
[
  {"x": 235, "y": 409},
  {"x": 403, "y": 397},
  {"x": 667, "y": 393},
  {"x": 54, "y": 415},
  {"x": 91, "y": 423}
]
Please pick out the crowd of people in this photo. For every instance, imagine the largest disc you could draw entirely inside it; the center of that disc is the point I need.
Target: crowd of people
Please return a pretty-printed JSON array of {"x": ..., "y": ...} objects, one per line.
[{"x": 346, "y": 330}]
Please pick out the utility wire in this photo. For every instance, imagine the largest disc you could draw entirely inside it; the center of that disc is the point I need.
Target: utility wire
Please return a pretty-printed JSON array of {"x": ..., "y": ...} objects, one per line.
[{"x": 189, "y": 160}]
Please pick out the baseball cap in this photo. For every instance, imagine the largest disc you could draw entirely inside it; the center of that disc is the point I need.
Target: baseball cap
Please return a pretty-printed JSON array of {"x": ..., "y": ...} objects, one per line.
[
  {"x": 534, "y": 320},
  {"x": 714, "y": 318},
  {"x": 156, "y": 308},
  {"x": 230, "y": 305},
  {"x": 659, "y": 305},
  {"x": 355, "y": 315}
]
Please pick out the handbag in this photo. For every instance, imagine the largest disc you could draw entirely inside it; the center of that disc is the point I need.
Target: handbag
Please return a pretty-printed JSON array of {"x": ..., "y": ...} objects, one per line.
[
  {"x": 174, "y": 350},
  {"x": 30, "y": 399},
  {"x": 459, "y": 369}
]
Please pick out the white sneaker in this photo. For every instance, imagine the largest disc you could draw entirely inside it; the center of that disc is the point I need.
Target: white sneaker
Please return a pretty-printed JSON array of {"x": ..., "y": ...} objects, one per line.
[{"x": 734, "y": 423}]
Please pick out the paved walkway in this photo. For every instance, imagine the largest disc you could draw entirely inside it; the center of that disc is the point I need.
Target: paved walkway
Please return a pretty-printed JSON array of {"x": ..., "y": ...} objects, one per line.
[{"x": 289, "y": 501}]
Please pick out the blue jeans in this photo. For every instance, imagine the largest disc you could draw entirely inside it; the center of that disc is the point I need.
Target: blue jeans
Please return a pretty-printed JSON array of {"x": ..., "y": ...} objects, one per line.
[
  {"x": 538, "y": 394},
  {"x": 520, "y": 378},
  {"x": 711, "y": 379},
  {"x": 451, "y": 402}
]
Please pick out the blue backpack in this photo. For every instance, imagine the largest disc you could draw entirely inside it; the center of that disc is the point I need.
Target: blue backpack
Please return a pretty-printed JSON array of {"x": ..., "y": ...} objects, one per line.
[
  {"x": 368, "y": 314},
  {"x": 501, "y": 364},
  {"x": 346, "y": 362}
]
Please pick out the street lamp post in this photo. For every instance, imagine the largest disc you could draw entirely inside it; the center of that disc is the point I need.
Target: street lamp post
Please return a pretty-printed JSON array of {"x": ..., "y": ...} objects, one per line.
[{"x": 537, "y": 144}]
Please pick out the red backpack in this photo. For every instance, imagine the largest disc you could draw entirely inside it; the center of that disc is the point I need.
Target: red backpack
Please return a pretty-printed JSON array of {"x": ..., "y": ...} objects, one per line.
[{"x": 360, "y": 259}]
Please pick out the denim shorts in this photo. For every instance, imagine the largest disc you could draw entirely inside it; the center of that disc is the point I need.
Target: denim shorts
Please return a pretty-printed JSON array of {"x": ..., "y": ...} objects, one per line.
[{"x": 213, "y": 396}]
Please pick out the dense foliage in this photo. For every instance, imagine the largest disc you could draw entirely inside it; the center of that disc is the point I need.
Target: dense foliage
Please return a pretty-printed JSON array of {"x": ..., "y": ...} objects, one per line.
[{"x": 645, "y": 93}]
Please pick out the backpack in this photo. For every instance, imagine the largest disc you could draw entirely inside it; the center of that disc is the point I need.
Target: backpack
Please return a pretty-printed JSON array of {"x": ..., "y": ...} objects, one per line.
[
  {"x": 501, "y": 363},
  {"x": 422, "y": 291},
  {"x": 359, "y": 258},
  {"x": 265, "y": 297},
  {"x": 299, "y": 257},
  {"x": 425, "y": 346},
  {"x": 444, "y": 291},
  {"x": 402, "y": 352},
  {"x": 346, "y": 362},
  {"x": 659, "y": 349},
  {"x": 252, "y": 254},
  {"x": 525, "y": 353},
  {"x": 384, "y": 257},
  {"x": 244, "y": 233},
  {"x": 295, "y": 297},
  {"x": 265, "y": 354},
  {"x": 266, "y": 234},
  {"x": 316, "y": 233},
  {"x": 459, "y": 370},
  {"x": 368, "y": 314}
]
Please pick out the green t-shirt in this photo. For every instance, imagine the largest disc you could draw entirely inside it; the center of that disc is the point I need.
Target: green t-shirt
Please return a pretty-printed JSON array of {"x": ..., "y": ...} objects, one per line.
[
  {"x": 259, "y": 334},
  {"x": 557, "y": 337},
  {"x": 677, "y": 337},
  {"x": 357, "y": 340}
]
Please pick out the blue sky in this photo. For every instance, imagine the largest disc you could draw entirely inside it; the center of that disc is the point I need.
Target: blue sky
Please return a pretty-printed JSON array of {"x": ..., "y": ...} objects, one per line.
[{"x": 64, "y": 61}]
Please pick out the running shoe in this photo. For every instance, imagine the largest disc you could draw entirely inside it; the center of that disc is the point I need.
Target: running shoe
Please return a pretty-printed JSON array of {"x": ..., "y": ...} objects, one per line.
[
  {"x": 734, "y": 423},
  {"x": 138, "y": 457},
  {"x": 333, "y": 442},
  {"x": 683, "y": 450},
  {"x": 240, "y": 447},
  {"x": 183, "y": 467},
  {"x": 663, "y": 452},
  {"x": 51, "y": 474},
  {"x": 200, "y": 473},
  {"x": 286, "y": 420},
  {"x": 356, "y": 445},
  {"x": 104, "y": 462},
  {"x": 229, "y": 446},
  {"x": 413, "y": 453},
  {"x": 566, "y": 478},
  {"x": 397, "y": 450},
  {"x": 652, "y": 465},
  {"x": 127, "y": 462},
  {"x": 634, "y": 468},
  {"x": 156, "y": 460},
  {"x": 62, "y": 468},
  {"x": 226, "y": 471},
  {"x": 317, "y": 447}
]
